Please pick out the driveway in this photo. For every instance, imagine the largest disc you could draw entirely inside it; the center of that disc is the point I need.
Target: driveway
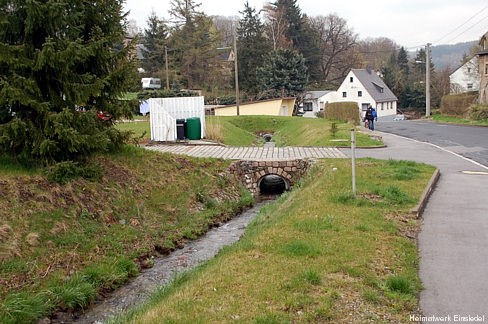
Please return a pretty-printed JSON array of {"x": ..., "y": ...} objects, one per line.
[{"x": 453, "y": 242}]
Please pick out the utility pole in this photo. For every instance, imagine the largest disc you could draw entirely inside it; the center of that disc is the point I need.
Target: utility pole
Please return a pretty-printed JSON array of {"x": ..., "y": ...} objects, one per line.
[
  {"x": 427, "y": 80},
  {"x": 166, "y": 64},
  {"x": 236, "y": 72}
]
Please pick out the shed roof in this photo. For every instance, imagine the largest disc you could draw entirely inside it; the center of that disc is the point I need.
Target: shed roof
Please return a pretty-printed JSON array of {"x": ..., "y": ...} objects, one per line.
[{"x": 311, "y": 95}]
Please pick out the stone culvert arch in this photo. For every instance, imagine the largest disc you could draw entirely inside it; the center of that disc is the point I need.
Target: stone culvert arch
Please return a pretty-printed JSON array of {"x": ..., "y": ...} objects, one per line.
[{"x": 251, "y": 173}]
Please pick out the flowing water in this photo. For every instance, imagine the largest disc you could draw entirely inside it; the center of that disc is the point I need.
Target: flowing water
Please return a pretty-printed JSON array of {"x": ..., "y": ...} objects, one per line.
[{"x": 166, "y": 268}]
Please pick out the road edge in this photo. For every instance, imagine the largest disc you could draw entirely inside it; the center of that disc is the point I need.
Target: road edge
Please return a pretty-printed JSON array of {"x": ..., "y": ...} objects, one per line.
[{"x": 424, "y": 198}]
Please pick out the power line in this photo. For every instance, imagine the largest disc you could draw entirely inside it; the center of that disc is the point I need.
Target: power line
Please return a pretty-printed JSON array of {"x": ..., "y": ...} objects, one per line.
[
  {"x": 455, "y": 29},
  {"x": 469, "y": 28}
]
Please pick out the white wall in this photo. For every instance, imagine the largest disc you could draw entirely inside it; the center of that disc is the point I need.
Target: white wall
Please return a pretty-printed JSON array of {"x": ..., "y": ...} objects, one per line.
[
  {"x": 165, "y": 111},
  {"x": 352, "y": 94},
  {"x": 464, "y": 76}
]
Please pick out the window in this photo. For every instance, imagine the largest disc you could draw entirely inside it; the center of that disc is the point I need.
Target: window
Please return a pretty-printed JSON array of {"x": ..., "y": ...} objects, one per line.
[
  {"x": 351, "y": 79},
  {"x": 469, "y": 70},
  {"x": 344, "y": 94},
  {"x": 307, "y": 106},
  {"x": 486, "y": 68},
  {"x": 360, "y": 93},
  {"x": 470, "y": 86}
]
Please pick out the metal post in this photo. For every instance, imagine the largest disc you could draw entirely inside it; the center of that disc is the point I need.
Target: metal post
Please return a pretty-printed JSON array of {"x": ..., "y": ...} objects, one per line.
[
  {"x": 353, "y": 160},
  {"x": 236, "y": 72},
  {"x": 427, "y": 80}
]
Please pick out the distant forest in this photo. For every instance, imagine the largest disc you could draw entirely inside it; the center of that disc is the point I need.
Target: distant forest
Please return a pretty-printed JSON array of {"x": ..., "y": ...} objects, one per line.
[{"x": 450, "y": 55}]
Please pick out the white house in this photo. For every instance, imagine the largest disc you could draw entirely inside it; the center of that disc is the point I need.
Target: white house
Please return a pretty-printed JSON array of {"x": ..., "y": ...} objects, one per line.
[
  {"x": 315, "y": 101},
  {"x": 366, "y": 88},
  {"x": 466, "y": 77}
]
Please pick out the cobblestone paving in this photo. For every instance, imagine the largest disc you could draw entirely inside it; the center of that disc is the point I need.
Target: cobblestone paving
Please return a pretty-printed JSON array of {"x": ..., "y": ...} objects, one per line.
[{"x": 250, "y": 153}]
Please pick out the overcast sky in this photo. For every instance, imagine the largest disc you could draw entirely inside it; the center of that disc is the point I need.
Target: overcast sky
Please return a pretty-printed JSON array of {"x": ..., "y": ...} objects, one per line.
[{"x": 410, "y": 23}]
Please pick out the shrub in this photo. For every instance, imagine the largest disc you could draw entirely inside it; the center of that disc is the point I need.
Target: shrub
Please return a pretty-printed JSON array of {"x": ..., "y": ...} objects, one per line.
[
  {"x": 343, "y": 111},
  {"x": 457, "y": 105},
  {"x": 478, "y": 112}
]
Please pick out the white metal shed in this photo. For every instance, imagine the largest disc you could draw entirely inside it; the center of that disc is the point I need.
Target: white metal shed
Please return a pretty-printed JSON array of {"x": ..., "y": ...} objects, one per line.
[{"x": 165, "y": 111}]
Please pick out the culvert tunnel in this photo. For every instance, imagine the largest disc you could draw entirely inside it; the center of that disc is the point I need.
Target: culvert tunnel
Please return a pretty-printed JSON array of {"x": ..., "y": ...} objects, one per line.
[{"x": 273, "y": 184}]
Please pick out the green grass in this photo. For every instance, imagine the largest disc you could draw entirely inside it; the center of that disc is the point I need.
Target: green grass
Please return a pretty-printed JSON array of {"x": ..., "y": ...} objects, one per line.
[
  {"x": 61, "y": 244},
  {"x": 287, "y": 131},
  {"x": 290, "y": 131},
  {"x": 458, "y": 120},
  {"x": 311, "y": 257},
  {"x": 140, "y": 128}
]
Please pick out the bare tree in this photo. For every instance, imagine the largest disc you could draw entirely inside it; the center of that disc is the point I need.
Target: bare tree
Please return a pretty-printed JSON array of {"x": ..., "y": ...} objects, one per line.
[
  {"x": 226, "y": 27},
  {"x": 440, "y": 85},
  {"x": 338, "y": 46},
  {"x": 276, "y": 25},
  {"x": 377, "y": 51}
]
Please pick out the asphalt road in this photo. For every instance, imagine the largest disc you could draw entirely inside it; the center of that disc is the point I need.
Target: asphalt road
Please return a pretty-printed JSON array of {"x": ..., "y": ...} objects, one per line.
[{"x": 468, "y": 141}]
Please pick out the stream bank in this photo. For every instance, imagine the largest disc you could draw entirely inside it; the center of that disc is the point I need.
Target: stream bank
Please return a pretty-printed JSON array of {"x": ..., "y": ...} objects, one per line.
[{"x": 194, "y": 253}]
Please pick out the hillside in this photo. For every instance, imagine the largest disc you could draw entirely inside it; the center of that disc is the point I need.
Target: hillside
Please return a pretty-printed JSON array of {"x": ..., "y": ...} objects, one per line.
[
  {"x": 62, "y": 245},
  {"x": 449, "y": 55}
]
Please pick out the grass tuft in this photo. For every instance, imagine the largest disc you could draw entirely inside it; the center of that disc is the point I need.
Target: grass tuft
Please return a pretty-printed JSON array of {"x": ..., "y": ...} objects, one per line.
[
  {"x": 75, "y": 293},
  {"x": 394, "y": 195},
  {"x": 300, "y": 248},
  {"x": 311, "y": 277},
  {"x": 25, "y": 307},
  {"x": 399, "y": 284}
]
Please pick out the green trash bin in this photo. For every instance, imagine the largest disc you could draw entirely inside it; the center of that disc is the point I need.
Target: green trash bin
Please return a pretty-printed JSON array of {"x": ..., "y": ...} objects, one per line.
[{"x": 193, "y": 128}]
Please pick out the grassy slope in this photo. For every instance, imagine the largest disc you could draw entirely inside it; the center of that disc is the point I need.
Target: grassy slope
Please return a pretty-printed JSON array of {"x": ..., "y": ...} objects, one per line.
[
  {"x": 317, "y": 254},
  {"x": 294, "y": 131},
  {"x": 459, "y": 120},
  {"x": 59, "y": 244}
]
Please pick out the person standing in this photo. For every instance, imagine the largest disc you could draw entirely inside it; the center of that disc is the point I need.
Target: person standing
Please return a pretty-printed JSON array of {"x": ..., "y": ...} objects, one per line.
[{"x": 369, "y": 117}]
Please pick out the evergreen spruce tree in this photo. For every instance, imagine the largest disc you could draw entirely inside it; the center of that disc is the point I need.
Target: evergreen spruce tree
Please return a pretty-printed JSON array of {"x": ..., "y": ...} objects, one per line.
[
  {"x": 61, "y": 62},
  {"x": 283, "y": 73},
  {"x": 252, "y": 48},
  {"x": 194, "y": 42},
  {"x": 154, "y": 40},
  {"x": 303, "y": 37}
]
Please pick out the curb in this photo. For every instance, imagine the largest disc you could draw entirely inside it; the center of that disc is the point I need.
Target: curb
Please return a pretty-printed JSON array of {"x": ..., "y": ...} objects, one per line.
[{"x": 419, "y": 209}]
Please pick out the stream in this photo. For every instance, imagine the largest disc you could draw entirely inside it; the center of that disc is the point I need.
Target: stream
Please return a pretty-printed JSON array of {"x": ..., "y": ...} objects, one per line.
[{"x": 137, "y": 290}]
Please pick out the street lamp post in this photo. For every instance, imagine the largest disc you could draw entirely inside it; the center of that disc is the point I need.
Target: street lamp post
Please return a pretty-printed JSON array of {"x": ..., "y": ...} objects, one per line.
[{"x": 427, "y": 80}]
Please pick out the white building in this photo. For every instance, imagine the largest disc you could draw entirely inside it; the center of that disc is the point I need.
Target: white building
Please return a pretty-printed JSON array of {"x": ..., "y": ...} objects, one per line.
[
  {"x": 366, "y": 88},
  {"x": 315, "y": 101},
  {"x": 362, "y": 86},
  {"x": 465, "y": 78}
]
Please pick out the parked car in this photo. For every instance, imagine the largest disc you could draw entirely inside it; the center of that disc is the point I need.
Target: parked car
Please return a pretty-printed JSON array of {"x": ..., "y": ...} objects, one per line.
[
  {"x": 400, "y": 117},
  {"x": 151, "y": 83}
]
